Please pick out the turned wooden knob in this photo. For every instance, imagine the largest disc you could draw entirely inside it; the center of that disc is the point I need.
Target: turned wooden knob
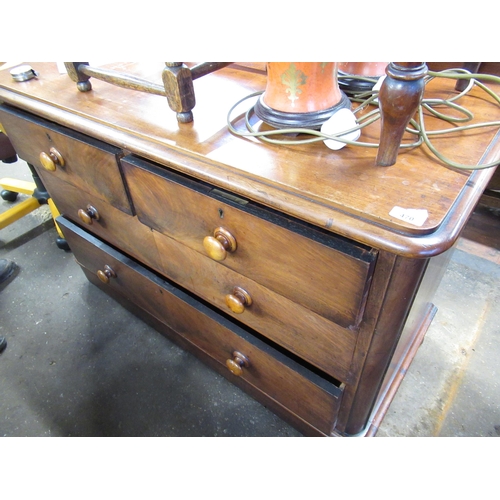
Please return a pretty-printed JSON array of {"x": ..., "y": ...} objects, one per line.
[
  {"x": 219, "y": 244},
  {"x": 106, "y": 275},
  {"x": 88, "y": 215},
  {"x": 238, "y": 300},
  {"x": 236, "y": 364},
  {"x": 51, "y": 160}
]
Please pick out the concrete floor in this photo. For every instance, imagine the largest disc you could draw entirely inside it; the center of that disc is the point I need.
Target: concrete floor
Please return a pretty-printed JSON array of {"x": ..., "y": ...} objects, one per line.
[{"x": 77, "y": 364}]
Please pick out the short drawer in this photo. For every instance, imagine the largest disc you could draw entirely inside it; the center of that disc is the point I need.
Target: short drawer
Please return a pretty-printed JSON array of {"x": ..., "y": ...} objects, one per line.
[
  {"x": 325, "y": 273},
  {"x": 88, "y": 164},
  {"x": 118, "y": 228},
  {"x": 238, "y": 353}
]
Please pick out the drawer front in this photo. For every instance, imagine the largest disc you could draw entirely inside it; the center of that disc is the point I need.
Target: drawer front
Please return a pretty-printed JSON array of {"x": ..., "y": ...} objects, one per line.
[
  {"x": 299, "y": 390},
  {"x": 88, "y": 164},
  {"x": 122, "y": 230},
  {"x": 326, "y": 274},
  {"x": 321, "y": 342}
]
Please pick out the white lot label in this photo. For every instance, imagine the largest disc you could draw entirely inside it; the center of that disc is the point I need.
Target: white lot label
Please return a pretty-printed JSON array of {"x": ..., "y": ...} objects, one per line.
[{"x": 411, "y": 215}]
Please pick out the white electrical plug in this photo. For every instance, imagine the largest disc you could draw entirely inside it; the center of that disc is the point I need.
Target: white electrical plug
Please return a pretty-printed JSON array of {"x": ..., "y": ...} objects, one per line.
[{"x": 342, "y": 120}]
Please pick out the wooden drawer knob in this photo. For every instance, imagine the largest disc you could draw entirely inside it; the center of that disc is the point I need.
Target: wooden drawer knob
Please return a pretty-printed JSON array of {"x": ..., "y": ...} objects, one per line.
[
  {"x": 236, "y": 364},
  {"x": 219, "y": 244},
  {"x": 51, "y": 160},
  {"x": 106, "y": 275},
  {"x": 88, "y": 215},
  {"x": 238, "y": 300}
]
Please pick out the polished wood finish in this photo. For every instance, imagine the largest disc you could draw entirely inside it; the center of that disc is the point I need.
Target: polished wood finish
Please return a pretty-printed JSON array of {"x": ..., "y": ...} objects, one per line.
[
  {"x": 239, "y": 300},
  {"x": 404, "y": 278},
  {"x": 177, "y": 82},
  {"x": 329, "y": 294},
  {"x": 188, "y": 212},
  {"x": 137, "y": 240},
  {"x": 85, "y": 162},
  {"x": 276, "y": 376},
  {"x": 51, "y": 160},
  {"x": 329, "y": 346},
  {"x": 473, "y": 67},
  {"x": 218, "y": 245},
  {"x": 88, "y": 215},
  {"x": 180, "y": 90},
  {"x": 237, "y": 363},
  {"x": 340, "y": 191},
  {"x": 106, "y": 274},
  {"x": 77, "y": 75},
  {"x": 399, "y": 97}
]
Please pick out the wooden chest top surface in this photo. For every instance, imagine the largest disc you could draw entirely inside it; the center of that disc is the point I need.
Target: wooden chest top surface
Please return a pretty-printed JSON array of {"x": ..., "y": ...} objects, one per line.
[{"x": 342, "y": 191}]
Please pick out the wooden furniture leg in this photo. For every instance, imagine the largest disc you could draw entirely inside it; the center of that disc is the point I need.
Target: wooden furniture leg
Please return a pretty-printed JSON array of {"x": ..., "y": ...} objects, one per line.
[
  {"x": 178, "y": 82},
  {"x": 82, "y": 80},
  {"x": 399, "y": 97},
  {"x": 473, "y": 67}
]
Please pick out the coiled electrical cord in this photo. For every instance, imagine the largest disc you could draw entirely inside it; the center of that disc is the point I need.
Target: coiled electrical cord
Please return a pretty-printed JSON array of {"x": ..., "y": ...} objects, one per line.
[{"x": 415, "y": 127}]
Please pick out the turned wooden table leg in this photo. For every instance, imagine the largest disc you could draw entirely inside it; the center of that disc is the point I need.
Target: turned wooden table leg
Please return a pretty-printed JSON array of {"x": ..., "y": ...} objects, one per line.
[
  {"x": 473, "y": 67},
  {"x": 82, "y": 81},
  {"x": 399, "y": 97},
  {"x": 178, "y": 82}
]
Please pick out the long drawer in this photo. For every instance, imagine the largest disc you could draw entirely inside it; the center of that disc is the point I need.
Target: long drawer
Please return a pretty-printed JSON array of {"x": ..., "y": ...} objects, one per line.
[
  {"x": 323, "y": 343},
  {"x": 327, "y": 274},
  {"x": 57, "y": 152},
  {"x": 318, "y": 340},
  {"x": 314, "y": 338},
  {"x": 294, "y": 386}
]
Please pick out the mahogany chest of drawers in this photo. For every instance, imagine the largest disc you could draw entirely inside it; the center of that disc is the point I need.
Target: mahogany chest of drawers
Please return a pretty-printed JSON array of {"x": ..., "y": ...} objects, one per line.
[{"x": 278, "y": 266}]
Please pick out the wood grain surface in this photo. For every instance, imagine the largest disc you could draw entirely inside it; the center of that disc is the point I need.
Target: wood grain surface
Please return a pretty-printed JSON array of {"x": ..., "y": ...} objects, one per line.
[{"x": 342, "y": 191}]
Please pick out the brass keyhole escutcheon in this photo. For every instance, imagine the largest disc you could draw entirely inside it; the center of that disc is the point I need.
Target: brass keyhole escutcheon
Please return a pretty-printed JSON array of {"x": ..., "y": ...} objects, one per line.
[
  {"x": 237, "y": 364},
  {"x": 219, "y": 244},
  {"x": 51, "y": 160},
  {"x": 88, "y": 215},
  {"x": 238, "y": 300},
  {"x": 106, "y": 275}
]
